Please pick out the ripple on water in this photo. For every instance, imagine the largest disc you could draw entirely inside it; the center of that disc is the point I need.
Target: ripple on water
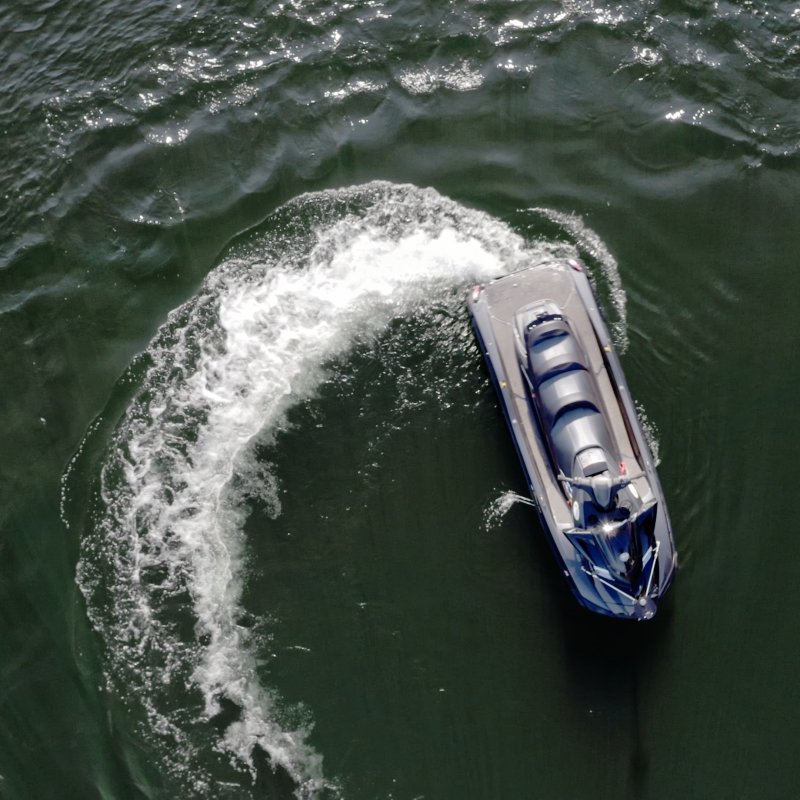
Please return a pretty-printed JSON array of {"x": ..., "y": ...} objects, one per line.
[{"x": 730, "y": 70}]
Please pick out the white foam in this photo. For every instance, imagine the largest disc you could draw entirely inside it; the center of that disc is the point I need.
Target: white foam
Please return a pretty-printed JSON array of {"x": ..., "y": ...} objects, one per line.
[
  {"x": 494, "y": 513},
  {"x": 224, "y": 370},
  {"x": 650, "y": 431}
]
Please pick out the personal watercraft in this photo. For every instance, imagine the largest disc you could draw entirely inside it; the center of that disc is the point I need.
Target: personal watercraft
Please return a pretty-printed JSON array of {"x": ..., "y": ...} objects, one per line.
[{"x": 587, "y": 463}]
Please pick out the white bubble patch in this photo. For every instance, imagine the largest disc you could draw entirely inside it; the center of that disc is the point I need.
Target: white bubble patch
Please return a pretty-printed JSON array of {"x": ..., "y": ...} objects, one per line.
[
  {"x": 162, "y": 568},
  {"x": 650, "y": 432},
  {"x": 496, "y": 511}
]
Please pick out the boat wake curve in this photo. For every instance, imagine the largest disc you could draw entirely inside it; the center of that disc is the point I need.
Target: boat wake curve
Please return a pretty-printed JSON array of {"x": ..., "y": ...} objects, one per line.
[{"x": 163, "y": 561}]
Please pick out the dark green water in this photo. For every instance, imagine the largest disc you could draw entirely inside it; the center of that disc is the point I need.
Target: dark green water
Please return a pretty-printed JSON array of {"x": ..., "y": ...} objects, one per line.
[{"x": 252, "y": 474}]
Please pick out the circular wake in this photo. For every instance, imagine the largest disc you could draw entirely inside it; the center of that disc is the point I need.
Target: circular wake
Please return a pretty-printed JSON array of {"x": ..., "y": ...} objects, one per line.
[{"x": 161, "y": 565}]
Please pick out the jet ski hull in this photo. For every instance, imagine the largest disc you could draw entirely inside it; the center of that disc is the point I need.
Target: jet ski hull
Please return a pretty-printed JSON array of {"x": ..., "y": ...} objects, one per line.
[{"x": 562, "y": 297}]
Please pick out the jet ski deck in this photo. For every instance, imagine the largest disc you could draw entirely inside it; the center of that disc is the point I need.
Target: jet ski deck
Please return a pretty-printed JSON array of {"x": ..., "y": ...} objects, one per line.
[{"x": 587, "y": 463}]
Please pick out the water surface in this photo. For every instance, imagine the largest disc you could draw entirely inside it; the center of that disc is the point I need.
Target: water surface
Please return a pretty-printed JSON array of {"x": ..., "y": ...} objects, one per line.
[{"x": 257, "y": 537}]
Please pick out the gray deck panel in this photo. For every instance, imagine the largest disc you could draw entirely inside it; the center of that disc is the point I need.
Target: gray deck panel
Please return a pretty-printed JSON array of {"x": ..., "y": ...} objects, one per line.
[{"x": 504, "y": 298}]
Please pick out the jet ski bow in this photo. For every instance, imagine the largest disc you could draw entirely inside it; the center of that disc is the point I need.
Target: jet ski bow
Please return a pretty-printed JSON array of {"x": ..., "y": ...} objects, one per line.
[{"x": 586, "y": 460}]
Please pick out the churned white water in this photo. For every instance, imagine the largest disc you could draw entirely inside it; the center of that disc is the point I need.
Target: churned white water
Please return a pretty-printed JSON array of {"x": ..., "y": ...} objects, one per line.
[
  {"x": 494, "y": 513},
  {"x": 162, "y": 569}
]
